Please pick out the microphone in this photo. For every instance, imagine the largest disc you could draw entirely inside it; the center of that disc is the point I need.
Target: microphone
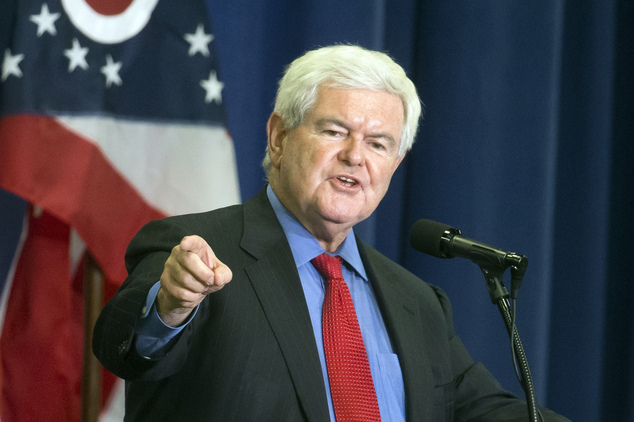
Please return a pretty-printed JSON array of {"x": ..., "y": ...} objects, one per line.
[{"x": 443, "y": 241}]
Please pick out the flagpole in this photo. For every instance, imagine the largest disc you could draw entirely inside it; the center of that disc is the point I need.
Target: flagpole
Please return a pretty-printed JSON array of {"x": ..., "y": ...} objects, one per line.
[{"x": 91, "y": 378}]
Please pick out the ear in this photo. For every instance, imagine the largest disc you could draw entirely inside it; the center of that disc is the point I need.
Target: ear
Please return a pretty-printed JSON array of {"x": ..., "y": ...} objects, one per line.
[{"x": 276, "y": 132}]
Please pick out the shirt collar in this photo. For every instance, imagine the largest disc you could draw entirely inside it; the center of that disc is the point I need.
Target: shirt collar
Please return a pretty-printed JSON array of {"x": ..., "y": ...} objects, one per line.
[{"x": 305, "y": 247}]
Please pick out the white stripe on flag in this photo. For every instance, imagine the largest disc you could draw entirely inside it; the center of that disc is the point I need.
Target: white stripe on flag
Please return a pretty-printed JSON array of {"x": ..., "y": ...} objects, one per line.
[
  {"x": 177, "y": 168},
  {"x": 114, "y": 409}
]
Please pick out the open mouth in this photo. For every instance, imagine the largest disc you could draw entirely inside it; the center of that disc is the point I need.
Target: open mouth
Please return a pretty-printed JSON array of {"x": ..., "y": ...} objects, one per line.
[{"x": 346, "y": 181}]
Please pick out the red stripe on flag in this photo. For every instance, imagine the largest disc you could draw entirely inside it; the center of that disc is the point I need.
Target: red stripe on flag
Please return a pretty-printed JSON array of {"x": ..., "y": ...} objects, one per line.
[
  {"x": 111, "y": 7},
  {"x": 42, "y": 337},
  {"x": 69, "y": 177}
]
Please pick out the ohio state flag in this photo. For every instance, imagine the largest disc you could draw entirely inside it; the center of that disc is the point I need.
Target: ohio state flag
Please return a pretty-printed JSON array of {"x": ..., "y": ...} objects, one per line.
[{"x": 110, "y": 116}]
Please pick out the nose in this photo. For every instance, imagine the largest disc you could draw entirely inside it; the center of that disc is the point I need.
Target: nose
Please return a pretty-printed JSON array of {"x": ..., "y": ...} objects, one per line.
[{"x": 352, "y": 151}]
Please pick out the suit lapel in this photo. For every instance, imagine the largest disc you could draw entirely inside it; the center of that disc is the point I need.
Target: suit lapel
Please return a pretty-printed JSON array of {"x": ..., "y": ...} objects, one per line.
[
  {"x": 276, "y": 282},
  {"x": 403, "y": 321}
]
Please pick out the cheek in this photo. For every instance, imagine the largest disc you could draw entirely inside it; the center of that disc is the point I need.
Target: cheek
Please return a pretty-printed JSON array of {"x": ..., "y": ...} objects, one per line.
[
  {"x": 309, "y": 163},
  {"x": 292, "y": 161},
  {"x": 381, "y": 175}
]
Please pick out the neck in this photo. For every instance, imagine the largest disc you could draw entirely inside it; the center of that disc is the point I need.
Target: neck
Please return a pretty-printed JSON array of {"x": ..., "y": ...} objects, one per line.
[
  {"x": 330, "y": 235},
  {"x": 330, "y": 243}
]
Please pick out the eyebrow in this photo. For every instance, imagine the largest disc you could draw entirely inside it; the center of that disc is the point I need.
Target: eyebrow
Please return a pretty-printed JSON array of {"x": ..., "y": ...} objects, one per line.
[{"x": 320, "y": 123}]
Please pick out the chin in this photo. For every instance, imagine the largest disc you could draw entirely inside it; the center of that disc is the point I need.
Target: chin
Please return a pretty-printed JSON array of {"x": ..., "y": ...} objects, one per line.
[
  {"x": 346, "y": 218},
  {"x": 347, "y": 212}
]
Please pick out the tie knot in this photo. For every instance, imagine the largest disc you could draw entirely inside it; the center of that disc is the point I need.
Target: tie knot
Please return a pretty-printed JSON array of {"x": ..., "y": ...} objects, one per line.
[{"x": 328, "y": 266}]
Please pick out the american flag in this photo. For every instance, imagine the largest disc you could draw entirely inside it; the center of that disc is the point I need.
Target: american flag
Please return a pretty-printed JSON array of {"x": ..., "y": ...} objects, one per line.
[{"x": 111, "y": 115}]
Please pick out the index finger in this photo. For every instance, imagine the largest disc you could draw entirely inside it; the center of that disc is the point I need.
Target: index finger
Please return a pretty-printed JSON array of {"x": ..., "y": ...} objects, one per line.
[
  {"x": 200, "y": 247},
  {"x": 219, "y": 274}
]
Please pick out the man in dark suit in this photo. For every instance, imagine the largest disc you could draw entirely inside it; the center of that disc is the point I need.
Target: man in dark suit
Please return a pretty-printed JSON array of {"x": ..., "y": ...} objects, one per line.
[{"x": 221, "y": 315}]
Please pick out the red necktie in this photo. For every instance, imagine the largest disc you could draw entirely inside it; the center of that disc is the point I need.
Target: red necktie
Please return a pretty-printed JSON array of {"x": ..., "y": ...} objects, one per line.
[{"x": 351, "y": 385}]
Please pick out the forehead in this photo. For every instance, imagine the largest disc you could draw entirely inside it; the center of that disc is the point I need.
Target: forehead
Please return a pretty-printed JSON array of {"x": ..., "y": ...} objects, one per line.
[{"x": 358, "y": 105}]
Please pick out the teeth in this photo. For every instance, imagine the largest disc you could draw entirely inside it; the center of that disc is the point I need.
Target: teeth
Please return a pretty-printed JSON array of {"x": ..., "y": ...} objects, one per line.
[{"x": 345, "y": 179}]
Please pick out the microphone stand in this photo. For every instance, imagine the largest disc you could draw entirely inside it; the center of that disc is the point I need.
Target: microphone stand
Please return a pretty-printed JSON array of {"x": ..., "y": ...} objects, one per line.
[{"x": 499, "y": 296}]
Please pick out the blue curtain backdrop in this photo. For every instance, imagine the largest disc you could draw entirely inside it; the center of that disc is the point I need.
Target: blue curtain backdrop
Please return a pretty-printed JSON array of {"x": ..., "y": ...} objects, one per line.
[{"x": 526, "y": 145}]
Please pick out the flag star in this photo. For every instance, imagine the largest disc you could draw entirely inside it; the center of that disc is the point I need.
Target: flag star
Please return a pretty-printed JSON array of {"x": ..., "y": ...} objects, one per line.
[
  {"x": 111, "y": 71},
  {"x": 199, "y": 41},
  {"x": 76, "y": 56},
  {"x": 45, "y": 21},
  {"x": 213, "y": 87},
  {"x": 10, "y": 65}
]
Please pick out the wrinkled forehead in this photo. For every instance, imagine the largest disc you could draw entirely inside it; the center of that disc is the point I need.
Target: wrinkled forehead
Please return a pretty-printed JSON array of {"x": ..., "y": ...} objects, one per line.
[{"x": 350, "y": 104}]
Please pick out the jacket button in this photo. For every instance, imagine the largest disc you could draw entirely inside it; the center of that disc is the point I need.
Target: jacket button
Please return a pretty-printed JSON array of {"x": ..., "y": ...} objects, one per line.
[{"x": 123, "y": 347}]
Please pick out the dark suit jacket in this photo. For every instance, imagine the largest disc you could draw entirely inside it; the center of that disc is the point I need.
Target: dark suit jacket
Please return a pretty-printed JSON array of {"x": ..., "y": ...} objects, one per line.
[{"x": 250, "y": 354}]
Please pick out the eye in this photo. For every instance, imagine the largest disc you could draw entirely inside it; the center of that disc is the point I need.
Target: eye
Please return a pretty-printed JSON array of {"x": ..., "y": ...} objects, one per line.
[
  {"x": 377, "y": 145},
  {"x": 332, "y": 133}
]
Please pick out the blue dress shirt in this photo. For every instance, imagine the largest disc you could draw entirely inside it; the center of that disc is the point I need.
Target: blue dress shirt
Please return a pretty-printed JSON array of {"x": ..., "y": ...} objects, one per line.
[{"x": 386, "y": 371}]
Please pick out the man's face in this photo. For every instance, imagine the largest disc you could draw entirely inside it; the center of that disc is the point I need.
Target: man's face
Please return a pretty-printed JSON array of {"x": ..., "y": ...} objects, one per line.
[{"x": 334, "y": 169}]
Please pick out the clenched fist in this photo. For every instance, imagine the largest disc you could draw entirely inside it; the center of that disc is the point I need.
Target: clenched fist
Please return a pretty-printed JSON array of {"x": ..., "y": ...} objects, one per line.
[{"x": 191, "y": 272}]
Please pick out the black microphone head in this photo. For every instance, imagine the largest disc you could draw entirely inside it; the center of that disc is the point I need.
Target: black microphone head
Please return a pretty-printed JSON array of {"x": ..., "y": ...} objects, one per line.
[{"x": 426, "y": 235}]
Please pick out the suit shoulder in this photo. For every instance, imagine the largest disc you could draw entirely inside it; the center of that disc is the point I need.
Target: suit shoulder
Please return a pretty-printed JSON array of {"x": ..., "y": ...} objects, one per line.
[
  {"x": 214, "y": 217},
  {"x": 165, "y": 233},
  {"x": 384, "y": 265},
  {"x": 380, "y": 266},
  {"x": 194, "y": 223}
]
